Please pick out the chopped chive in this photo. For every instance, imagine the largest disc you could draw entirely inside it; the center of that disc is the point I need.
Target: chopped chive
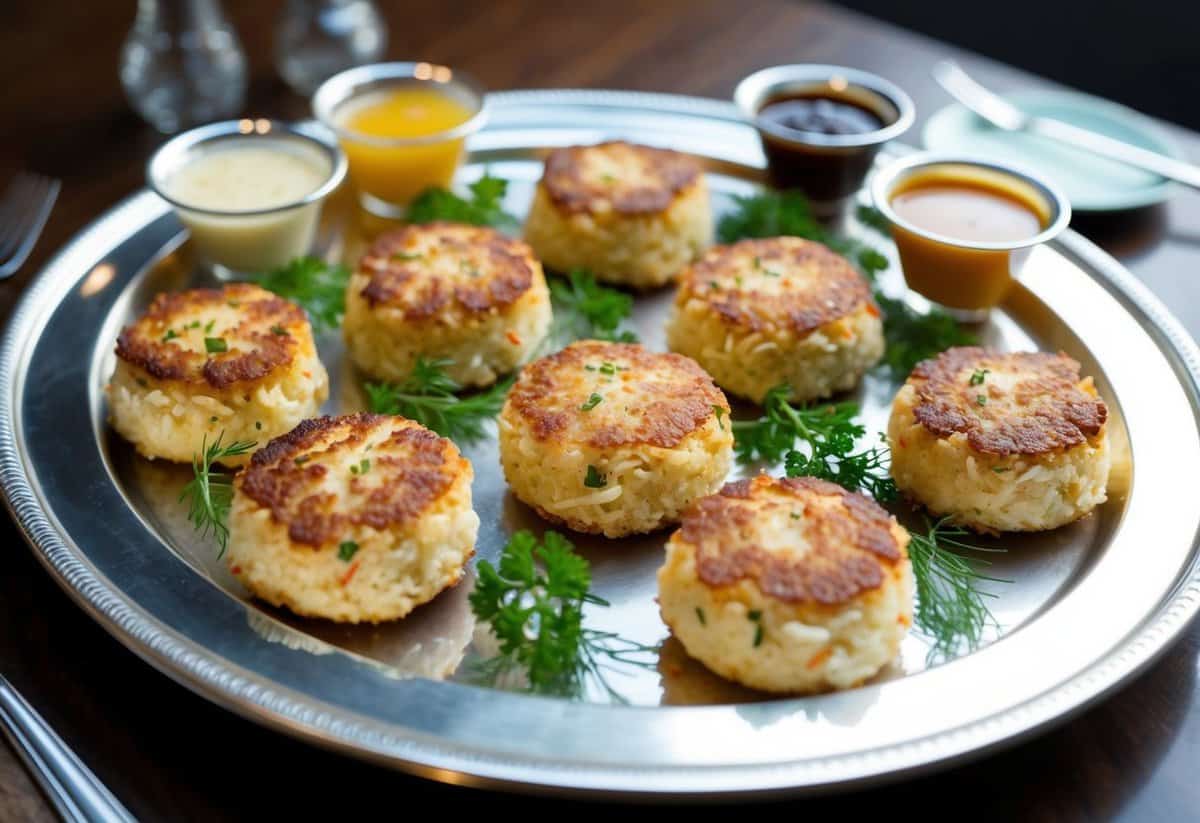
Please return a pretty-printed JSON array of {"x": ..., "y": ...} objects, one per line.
[
  {"x": 714, "y": 285},
  {"x": 208, "y": 327},
  {"x": 362, "y": 467},
  {"x": 701, "y": 617},
  {"x": 720, "y": 413},
  {"x": 1001, "y": 469},
  {"x": 170, "y": 335},
  {"x": 979, "y": 375},
  {"x": 279, "y": 330},
  {"x": 594, "y": 479},
  {"x": 754, "y": 614},
  {"x": 592, "y": 402},
  {"x": 301, "y": 460},
  {"x": 981, "y": 399},
  {"x": 758, "y": 635},
  {"x": 796, "y": 515},
  {"x": 212, "y": 345},
  {"x": 346, "y": 550}
]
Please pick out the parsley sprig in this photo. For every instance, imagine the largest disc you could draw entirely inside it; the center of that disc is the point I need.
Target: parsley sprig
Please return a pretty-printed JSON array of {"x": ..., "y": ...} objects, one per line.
[
  {"x": 429, "y": 396},
  {"x": 585, "y": 310},
  {"x": 913, "y": 336},
  {"x": 786, "y": 213},
  {"x": 317, "y": 286},
  {"x": 485, "y": 207},
  {"x": 819, "y": 441},
  {"x": 534, "y": 601},
  {"x": 210, "y": 491},
  {"x": 951, "y": 607}
]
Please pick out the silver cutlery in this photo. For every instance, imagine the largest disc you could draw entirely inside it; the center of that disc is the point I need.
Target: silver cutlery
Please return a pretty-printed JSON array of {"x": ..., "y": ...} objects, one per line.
[
  {"x": 24, "y": 209},
  {"x": 1004, "y": 115},
  {"x": 76, "y": 794}
]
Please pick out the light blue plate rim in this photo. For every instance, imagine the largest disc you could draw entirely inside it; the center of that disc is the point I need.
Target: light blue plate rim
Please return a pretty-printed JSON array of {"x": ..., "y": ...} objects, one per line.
[{"x": 1120, "y": 199}]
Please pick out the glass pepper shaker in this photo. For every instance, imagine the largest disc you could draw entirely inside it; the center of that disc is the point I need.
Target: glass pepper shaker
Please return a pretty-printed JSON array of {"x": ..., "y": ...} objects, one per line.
[
  {"x": 182, "y": 64},
  {"x": 316, "y": 39}
]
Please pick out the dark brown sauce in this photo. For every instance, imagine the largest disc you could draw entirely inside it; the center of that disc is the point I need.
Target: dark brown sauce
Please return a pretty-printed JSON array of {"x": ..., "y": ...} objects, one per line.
[{"x": 821, "y": 114}]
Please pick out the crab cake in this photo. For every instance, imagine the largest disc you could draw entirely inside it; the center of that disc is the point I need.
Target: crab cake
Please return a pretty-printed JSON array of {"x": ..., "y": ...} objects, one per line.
[
  {"x": 237, "y": 363},
  {"x": 633, "y": 215},
  {"x": 760, "y": 313},
  {"x": 1001, "y": 442},
  {"x": 612, "y": 439},
  {"x": 356, "y": 519},
  {"x": 790, "y": 585},
  {"x": 450, "y": 291}
]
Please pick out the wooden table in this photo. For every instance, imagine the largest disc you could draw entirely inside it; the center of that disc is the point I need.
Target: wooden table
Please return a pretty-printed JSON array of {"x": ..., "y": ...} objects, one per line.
[{"x": 169, "y": 754}]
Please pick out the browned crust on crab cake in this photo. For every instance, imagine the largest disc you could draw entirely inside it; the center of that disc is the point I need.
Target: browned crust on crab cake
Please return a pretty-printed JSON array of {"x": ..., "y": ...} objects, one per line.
[
  {"x": 782, "y": 282},
  {"x": 626, "y": 178},
  {"x": 410, "y": 468},
  {"x": 430, "y": 268},
  {"x": 1032, "y": 402},
  {"x": 852, "y": 542},
  {"x": 649, "y": 398},
  {"x": 264, "y": 336}
]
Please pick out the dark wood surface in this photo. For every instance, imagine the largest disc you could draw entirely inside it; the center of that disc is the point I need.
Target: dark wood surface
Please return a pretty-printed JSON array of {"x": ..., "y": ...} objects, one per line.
[{"x": 171, "y": 755}]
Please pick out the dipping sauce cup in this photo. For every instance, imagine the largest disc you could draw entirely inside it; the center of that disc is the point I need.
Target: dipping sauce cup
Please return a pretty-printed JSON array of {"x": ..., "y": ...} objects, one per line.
[
  {"x": 821, "y": 127},
  {"x": 402, "y": 126},
  {"x": 250, "y": 191},
  {"x": 964, "y": 226}
]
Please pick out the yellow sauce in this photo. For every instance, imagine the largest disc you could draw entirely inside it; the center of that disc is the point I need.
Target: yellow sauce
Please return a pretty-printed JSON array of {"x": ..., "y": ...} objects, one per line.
[
  {"x": 969, "y": 205},
  {"x": 397, "y": 173}
]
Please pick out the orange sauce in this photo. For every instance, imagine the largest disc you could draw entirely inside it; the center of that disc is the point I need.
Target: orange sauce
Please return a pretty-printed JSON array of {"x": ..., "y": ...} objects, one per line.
[
  {"x": 397, "y": 173},
  {"x": 968, "y": 205}
]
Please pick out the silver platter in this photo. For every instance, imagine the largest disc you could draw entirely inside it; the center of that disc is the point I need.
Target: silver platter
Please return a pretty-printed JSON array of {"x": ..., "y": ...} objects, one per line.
[{"x": 1089, "y": 605}]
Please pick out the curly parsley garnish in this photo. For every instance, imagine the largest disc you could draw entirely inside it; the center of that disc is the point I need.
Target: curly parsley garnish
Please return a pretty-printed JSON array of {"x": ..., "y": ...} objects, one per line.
[
  {"x": 429, "y": 397},
  {"x": 585, "y": 310},
  {"x": 210, "y": 491},
  {"x": 534, "y": 599},
  {"x": 821, "y": 441},
  {"x": 483, "y": 208},
  {"x": 913, "y": 336},
  {"x": 317, "y": 286}
]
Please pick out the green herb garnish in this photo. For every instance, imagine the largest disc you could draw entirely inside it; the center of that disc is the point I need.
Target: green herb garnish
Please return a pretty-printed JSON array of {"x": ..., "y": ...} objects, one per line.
[
  {"x": 210, "y": 491},
  {"x": 700, "y": 616},
  {"x": 429, "y": 397},
  {"x": 483, "y": 208},
  {"x": 720, "y": 413},
  {"x": 951, "y": 607},
  {"x": 978, "y": 376},
  {"x": 317, "y": 286},
  {"x": 913, "y": 336},
  {"x": 214, "y": 345},
  {"x": 533, "y": 600},
  {"x": 981, "y": 399},
  {"x": 873, "y": 218},
  {"x": 585, "y": 310},
  {"x": 170, "y": 335},
  {"x": 279, "y": 331},
  {"x": 346, "y": 550},
  {"x": 827, "y": 437},
  {"x": 362, "y": 467},
  {"x": 592, "y": 402},
  {"x": 594, "y": 479}
]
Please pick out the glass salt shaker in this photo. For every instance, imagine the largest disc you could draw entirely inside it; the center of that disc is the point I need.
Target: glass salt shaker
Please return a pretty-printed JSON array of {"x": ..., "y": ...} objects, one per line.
[
  {"x": 316, "y": 39},
  {"x": 182, "y": 64}
]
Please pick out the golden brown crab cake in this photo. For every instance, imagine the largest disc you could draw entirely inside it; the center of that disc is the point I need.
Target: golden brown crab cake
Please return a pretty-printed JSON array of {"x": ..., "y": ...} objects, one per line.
[
  {"x": 355, "y": 519},
  {"x": 788, "y": 585},
  {"x": 1001, "y": 441},
  {"x": 612, "y": 439},
  {"x": 633, "y": 215},
  {"x": 446, "y": 291},
  {"x": 760, "y": 313},
  {"x": 236, "y": 362}
]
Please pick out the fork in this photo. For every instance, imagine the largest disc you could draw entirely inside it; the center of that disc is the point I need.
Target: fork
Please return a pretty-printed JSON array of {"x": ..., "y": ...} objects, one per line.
[
  {"x": 24, "y": 208},
  {"x": 77, "y": 795}
]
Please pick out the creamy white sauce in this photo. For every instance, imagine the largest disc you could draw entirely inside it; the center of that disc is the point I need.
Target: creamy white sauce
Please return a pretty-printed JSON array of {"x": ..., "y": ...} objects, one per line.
[
  {"x": 246, "y": 178},
  {"x": 240, "y": 176}
]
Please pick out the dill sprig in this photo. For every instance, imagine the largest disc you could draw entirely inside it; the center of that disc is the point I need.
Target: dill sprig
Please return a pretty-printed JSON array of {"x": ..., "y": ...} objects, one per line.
[
  {"x": 534, "y": 600},
  {"x": 951, "y": 607},
  {"x": 819, "y": 441},
  {"x": 210, "y": 491},
  {"x": 429, "y": 397},
  {"x": 485, "y": 207},
  {"x": 913, "y": 336},
  {"x": 786, "y": 213},
  {"x": 585, "y": 310},
  {"x": 317, "y": 286}
]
